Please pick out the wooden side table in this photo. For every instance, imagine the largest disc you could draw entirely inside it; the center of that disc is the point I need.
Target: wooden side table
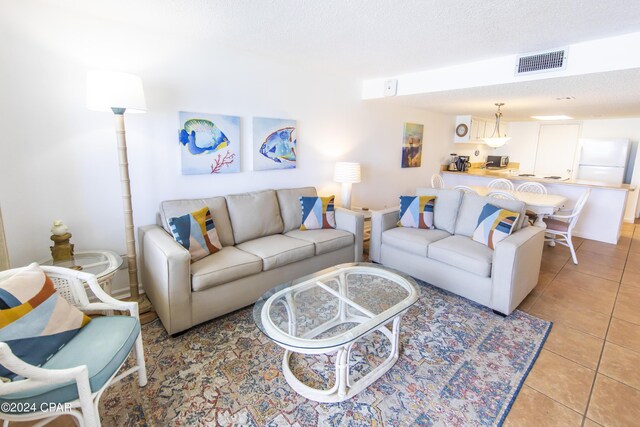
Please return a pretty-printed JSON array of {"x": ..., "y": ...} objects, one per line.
[
  {"x": 367, "y": 226},
  {"x": 103, "y": 264}
]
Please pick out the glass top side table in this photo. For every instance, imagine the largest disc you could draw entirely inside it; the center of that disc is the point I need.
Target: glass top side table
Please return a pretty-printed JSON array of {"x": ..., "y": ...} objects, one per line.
[{"x": 103, "y": 264}]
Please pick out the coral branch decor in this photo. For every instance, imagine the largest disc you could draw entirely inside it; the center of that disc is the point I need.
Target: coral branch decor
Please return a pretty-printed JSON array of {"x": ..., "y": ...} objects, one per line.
[
  {"x": 203, "y": 138},
  {"x": 222, "y": 161}
]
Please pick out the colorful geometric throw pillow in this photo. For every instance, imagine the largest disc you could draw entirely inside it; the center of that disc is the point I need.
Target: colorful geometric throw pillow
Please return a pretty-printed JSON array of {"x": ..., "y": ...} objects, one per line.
[
  {"x": 35, "y": 321},
  {"x": 197, "y": 233},
  {"x": 417, "y": 211},
  {"x": 494, "y": 225},
  {"x": 317, "y": 213}
]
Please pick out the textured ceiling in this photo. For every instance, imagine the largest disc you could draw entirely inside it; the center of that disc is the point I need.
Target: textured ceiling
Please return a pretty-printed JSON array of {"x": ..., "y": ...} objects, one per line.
[
  {"x": 611, "y": 94},
  {"x": 374, "y": 38}
]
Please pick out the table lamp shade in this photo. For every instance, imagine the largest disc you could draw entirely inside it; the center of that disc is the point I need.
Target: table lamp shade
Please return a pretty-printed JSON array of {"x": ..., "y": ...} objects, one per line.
[
  {"x": 107, "y": 90},
  {"x": 346, "y": 172}
]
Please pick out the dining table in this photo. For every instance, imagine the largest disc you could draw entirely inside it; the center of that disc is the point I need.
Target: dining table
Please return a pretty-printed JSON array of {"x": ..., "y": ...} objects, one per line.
[{"x": 542, "y": 205}]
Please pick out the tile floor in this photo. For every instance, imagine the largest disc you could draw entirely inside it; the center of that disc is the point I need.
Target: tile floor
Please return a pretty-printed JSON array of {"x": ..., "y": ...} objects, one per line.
[{"x": 588, "y": 372}]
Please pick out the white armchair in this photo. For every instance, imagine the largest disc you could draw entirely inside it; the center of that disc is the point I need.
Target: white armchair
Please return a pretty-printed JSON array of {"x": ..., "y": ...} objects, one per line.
[{"x": 72, "y": 381}]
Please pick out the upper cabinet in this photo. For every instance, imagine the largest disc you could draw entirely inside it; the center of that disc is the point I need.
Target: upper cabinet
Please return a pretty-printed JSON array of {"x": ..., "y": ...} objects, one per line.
[{"x": 471, "y": 130}]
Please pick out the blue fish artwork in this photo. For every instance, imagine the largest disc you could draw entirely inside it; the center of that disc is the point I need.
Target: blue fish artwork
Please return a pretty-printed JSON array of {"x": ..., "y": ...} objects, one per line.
[
  {"x": 280, "y": 146},
  {"x": 202, "y": 136},
  {"x": 209, "y": 143},
  {"x": 275, "y": 144}
]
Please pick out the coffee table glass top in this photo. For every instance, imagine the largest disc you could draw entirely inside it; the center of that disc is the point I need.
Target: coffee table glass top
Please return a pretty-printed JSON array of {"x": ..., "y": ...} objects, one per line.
[{"x": 334, "y": 306}]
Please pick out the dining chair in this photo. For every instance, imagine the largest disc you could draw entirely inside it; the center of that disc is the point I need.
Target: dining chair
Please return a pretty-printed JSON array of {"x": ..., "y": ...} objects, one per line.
[
  {"x": 532, "y": 187},
  {"x": 501, "y": 184},
  {"x": 560, "y": 227},
  {"x": 72, "y": 381},
  {"x": 437, "y": 181},
  {"x": 501, "y": 195},
  {"x": 465, "y": 189}
]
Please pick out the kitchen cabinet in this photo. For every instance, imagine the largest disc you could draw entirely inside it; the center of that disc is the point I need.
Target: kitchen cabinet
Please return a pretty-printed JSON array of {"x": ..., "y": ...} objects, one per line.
[{"x": 476, "y": 129}]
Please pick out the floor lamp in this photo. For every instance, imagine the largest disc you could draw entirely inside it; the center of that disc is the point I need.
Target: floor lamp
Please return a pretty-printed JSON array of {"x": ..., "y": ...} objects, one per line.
[
  {"x": 120, "y": 92},
  {"x": 347, "y": 173},
  {"x": 4, "y": 252}
]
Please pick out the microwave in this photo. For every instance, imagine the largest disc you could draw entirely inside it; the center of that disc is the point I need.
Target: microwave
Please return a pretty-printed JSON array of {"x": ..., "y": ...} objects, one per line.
[{"x": 497, "y": 161}]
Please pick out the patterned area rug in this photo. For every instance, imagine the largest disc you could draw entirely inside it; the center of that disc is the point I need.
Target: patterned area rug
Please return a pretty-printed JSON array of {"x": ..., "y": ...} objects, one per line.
[{"x": 460, "y": 365}]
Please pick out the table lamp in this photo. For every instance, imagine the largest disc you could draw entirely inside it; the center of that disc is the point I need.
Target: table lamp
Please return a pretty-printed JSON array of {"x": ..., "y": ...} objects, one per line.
[
  {"x": 346, "y": 173},
  {"x": 120, "y": 92}
]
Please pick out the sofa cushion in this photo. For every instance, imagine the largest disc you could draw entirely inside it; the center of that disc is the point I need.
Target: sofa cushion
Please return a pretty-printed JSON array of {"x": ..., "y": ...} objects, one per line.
[
  {"x": 446, "y": 207},
  {"x": 289, "y": 202},
  {"x": 463, "y": 253},
  {"x": 416, "y": 211},
  {"x": 413, "y": 240},
  {"x": 254, "y": 215},
  {"x": 102, "y": 346},
  {"x": 196, "y": 232},
  {"x": 217, "y": 206},
  {"x": 318, "y": 213},
  {"x": 494, "y": 225},
  {"x": 327, "y": 240},
  {"x": 472, "y": 206},
  {"x": 278, "y": 250},
  {"x": 224, "y": 266}
]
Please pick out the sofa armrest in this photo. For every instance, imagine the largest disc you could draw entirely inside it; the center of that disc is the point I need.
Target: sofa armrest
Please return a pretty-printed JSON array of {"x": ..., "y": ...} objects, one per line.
[
  {"x": 166, "y": 277},
  {"x": 353, "y": 222},
  {"x": 516, "y": 267},
  {"x": 381, "y": 221}
]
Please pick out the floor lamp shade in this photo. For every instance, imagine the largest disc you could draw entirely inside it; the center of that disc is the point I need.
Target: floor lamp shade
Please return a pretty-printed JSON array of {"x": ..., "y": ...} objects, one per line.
[
  {"x": 346, "y": 173},
  {"x": 107, "y": 90}
]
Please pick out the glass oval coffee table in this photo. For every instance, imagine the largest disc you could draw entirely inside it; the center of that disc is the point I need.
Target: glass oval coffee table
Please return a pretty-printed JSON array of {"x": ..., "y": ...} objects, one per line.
[{"x": 328, "y": 312}]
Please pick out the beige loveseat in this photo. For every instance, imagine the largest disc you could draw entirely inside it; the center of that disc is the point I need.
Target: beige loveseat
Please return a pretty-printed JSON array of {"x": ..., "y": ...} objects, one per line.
[
  {"x": 449, "y": 258},
  {"x": 262, "y": 246}
]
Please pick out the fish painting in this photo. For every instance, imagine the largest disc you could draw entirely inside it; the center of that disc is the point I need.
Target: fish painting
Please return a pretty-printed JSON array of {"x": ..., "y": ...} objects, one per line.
[
  {"x": 209, "y": 143},
  {"x": 274, "y": 144},
  {"x": 202, "y": 136},
  {"x": 280, "y": 146}
]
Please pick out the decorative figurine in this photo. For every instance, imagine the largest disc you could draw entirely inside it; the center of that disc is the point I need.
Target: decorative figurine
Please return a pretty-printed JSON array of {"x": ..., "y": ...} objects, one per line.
[{"x": 62, "y": 249}]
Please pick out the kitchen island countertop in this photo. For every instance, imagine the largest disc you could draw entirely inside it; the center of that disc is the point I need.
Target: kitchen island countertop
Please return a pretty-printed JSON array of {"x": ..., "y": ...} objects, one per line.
[{"x": 506, "y": 174}]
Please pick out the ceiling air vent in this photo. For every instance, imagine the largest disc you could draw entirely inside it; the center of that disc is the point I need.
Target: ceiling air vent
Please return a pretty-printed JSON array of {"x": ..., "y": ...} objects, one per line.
[{"x": 541, "y": 62}]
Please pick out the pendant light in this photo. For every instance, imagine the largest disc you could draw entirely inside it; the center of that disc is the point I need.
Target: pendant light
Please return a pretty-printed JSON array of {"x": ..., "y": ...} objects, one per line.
[{"x": 497, "y": 138}]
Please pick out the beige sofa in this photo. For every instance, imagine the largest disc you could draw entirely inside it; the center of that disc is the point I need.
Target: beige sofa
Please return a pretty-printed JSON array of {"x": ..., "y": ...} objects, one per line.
[
  {"x": 263, "y": 246},
  {"x": 447, "y": 257}
]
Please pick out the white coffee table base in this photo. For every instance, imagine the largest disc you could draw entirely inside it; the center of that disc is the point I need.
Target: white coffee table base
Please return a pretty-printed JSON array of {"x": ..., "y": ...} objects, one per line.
[{"x": 343, "y": 387}]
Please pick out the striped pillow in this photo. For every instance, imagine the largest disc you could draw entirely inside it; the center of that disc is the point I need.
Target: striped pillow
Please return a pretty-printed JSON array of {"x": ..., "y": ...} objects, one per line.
[
  {"x": 197, "y": 233},
  {"x": 494, "y": 225},
  {"x": 35, "y": 321},
  {"x": 417, "y": 211},
  {"x": 317, "y": 213}
]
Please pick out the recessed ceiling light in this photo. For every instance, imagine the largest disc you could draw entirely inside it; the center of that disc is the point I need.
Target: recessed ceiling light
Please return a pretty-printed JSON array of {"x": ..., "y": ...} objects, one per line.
[
  {"x": 565, "y": 98},
  {"x": 559, "y": 117}
]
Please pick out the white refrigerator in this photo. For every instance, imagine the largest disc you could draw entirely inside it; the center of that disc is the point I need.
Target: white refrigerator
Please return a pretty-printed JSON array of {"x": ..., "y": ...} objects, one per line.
[{"x": 603, "y": 160}]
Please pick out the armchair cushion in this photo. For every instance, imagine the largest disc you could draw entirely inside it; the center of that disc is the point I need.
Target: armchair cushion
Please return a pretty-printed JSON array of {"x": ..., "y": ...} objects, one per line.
[
  {"x": 413, "y": 240},
  {"x": 556, "y": 225},
  {"x": 278, "y": 250},
  {"x": 35, "y": 321},
  {"x": 102, "y": 345},
  {"x": 324, "y": 240},
  {"x": 224, "y": 266},
  {"x": 463, "y": 253}
]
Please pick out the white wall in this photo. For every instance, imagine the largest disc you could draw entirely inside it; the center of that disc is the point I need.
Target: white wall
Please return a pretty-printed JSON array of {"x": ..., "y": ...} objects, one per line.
[
  {"x": 524, "y": 140},
  {"x": 58, "y": 160}
]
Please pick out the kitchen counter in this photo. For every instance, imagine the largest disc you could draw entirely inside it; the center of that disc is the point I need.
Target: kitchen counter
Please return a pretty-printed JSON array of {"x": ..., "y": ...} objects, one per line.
[
  {"x": 507, "y": 174},
  {"x": 601, "y": 218}
]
